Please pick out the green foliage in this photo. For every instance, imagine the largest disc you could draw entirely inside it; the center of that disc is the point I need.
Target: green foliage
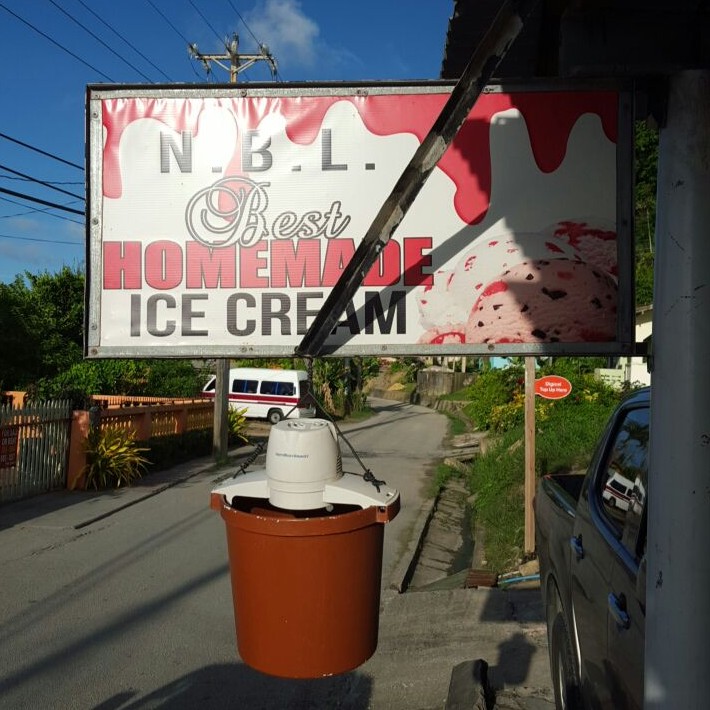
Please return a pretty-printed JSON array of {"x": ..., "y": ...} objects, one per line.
[
  {"x": 409, "y": 366},
  {"x": 644, "y": 278},
  {"x": 498, "y": 396},
  {"x": 41, "y": 318},
  {"x": 113, "y": 458},
  {"x": 566, "y": 432},
  {"x": 645, "y": 172},
  {"x": 237, "y": 424},
  {"x": 489, "y": 390},
  {"x": 442, "y": 475},
  {"x": 457, "y": 423},
  {"x": 146, "y": 378},
  {"x": 169, "y": 451}
]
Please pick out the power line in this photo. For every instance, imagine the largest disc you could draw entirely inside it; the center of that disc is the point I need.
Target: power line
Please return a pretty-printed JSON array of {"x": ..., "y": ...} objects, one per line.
[
  {"x": 206, "y": 21},
  {"x": 175, "y": 29},
  {"x": 5, "y": 191},
  {"x": 41, "y": 152},
  {"x": 123, "y": 39},
  {"x": 259, "y": 44},
  {"x": 44, "y": 241},
  {"x": 40, "y": 182},
  {"x": 51, "y": 182},
  {"x": 98, "y": 39},
  {"x": 231, "y": 4},
  {"x": 35, "y": 210},
  {"x": 55, "y": 43}
]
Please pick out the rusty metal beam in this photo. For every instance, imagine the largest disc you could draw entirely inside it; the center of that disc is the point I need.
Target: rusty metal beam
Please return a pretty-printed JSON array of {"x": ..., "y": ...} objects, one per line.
[{"x": 493, "y": 47}]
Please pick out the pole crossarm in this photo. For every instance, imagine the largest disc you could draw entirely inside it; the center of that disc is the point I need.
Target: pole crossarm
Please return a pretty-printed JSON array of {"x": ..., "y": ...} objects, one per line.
[
  {"x": 493, "y": 47},
  {"x": 237, "y": 62}
]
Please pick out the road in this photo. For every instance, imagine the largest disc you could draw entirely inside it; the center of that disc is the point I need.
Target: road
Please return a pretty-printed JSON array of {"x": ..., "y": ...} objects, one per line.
[{"x": 135, "y": 611}]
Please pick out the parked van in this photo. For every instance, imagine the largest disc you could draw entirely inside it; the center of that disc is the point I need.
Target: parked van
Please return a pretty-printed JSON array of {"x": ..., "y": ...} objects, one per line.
[
  {"x": 267, "y": 394},
  {"x": 618, "y": 491}
]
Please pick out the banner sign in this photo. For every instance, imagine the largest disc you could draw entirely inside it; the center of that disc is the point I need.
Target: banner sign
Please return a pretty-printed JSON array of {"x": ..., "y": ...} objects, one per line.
[{"x": 221, "y": 217}]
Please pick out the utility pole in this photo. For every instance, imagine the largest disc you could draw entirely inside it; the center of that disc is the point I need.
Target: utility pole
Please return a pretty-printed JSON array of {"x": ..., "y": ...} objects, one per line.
[{"x": 237, "y": 63}]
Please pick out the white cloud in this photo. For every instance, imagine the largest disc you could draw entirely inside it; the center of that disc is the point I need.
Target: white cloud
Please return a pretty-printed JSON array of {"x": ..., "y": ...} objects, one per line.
[{"x": 290, "y": 34}]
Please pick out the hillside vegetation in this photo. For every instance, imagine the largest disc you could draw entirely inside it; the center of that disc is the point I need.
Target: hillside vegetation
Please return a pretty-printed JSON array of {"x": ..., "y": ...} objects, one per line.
[{"x": 566, "y": 432}]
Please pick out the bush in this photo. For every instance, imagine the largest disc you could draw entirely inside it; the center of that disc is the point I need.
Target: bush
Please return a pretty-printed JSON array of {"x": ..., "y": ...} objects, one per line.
[
  {"x": 168, "y": 451},
  {"x": 238, "y": 425},
  {"x": 565, "y": 439},
  {"x": 492, "y": 389},
  {"x": 113, "y": 458}
]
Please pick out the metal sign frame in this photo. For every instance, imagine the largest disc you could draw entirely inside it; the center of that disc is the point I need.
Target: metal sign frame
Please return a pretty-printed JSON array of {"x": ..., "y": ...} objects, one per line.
[{"x": 96, "y": 347}]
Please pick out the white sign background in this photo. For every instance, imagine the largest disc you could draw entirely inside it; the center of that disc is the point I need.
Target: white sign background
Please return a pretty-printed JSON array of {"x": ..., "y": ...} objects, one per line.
[{"x": 221, "y": 218}]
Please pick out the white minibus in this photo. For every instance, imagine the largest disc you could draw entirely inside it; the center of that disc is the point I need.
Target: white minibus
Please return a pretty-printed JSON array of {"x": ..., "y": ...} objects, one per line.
[{"x": 266, "y": 393}]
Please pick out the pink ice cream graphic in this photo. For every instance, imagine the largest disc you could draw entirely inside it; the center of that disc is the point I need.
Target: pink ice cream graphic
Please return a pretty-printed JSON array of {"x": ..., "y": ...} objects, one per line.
[
  {"x": 595, "y": 242},
  {"x": 555, "y": 286},
  {"x": 545, "y": 302}
]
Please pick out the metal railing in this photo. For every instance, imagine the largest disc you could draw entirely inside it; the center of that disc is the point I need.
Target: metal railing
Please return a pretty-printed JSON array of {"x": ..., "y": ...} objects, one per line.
[{"x": 34, "y": 445}]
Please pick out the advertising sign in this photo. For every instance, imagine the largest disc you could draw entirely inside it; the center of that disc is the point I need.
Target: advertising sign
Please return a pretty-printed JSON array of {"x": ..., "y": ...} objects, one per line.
[
  {"x": 220, "y": 218},
  {"x": 553, "y": 387},
  {"x": 9, "y": 436}
]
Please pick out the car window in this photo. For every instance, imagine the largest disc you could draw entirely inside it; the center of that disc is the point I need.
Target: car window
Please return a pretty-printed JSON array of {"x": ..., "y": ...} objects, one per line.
[
  {"x": 622, "y": 486},
  {"x": 244, "y": 386},
  {"x": 285, "y": 389}
]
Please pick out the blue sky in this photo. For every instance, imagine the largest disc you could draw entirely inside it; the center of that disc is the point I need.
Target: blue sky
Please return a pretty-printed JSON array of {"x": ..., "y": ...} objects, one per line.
[{"x": 54, "y": 48}]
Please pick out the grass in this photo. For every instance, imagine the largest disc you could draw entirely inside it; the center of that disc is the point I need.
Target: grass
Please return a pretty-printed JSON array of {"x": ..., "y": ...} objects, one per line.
[
  {"x": 458, "y": 423},
  {"x": 565, "y": 440},
  {"x": 442, "y": 475}
]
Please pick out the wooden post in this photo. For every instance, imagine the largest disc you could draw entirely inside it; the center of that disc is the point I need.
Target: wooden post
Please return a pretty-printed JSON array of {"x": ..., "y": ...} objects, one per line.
[
  {"x": 529, "y": 454},
  {"x": 221, "y": 404},
  {"x": 77, "y": 456}
]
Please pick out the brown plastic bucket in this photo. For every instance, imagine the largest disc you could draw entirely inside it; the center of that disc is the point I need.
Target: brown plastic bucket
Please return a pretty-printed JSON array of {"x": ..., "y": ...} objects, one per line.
[{"x": 305, "y": 585}]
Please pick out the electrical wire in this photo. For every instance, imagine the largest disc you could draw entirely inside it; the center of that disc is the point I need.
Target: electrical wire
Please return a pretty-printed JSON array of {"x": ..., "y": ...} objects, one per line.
[
  {"x": 35, "y": 210},
  {"x": 40, "y": 182},
  {"x": 54, "y": 205},
  {"x": 55, "y": 43},
  {"x": 124, "y": 40},
  {"x": 41, "y": 152},
  {"x": 99, "y": 40},
  {"x": 206, "y": 21},
  {"x": 50, "y": 182},
  {"x": 44, "y": 241},
  {"x": 258, "y": 43},
  {"x": 176, "y": 30},
  {"x": 231, "y": 4}
]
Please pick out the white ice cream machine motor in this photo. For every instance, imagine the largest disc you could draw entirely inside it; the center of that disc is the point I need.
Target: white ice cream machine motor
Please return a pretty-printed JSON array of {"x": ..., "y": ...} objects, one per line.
[{"x": 304, "y": 472}]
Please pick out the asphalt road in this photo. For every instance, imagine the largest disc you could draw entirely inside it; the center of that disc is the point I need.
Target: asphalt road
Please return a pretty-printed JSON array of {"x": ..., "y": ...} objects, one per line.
[{"x": 135, "y": 611}]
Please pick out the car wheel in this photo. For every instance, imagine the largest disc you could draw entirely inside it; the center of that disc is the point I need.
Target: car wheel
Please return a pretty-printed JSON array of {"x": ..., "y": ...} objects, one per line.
[
  {"x": 275, "y": 416},
  {"x": 565, "y": 680}
]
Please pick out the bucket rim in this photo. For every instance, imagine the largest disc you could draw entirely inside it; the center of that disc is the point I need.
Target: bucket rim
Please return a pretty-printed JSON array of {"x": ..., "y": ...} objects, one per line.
[{"x": 287, "y": 526}]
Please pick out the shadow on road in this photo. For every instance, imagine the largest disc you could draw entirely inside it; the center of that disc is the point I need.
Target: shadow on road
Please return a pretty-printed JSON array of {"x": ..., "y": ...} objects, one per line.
[{"x": 238, "y": 686}]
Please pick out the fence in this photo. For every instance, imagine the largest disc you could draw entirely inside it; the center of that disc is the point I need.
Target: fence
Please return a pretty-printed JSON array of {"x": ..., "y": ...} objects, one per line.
[
  {"x": 42, "y": 444},
  {"x": 138, "y": 415},
  {"x": 34, "y": 441}
]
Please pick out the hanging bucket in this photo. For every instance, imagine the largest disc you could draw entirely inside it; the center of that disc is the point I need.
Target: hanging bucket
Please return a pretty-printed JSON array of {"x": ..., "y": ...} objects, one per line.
[
  {"x": 305, "y": 555},
  {"x": 305, "y": 584}
]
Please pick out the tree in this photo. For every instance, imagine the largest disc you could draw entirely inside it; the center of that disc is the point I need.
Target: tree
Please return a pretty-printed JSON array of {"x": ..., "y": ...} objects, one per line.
[
  {"x": 41, "y": 317},
  {"x": 645, "y": 171}
]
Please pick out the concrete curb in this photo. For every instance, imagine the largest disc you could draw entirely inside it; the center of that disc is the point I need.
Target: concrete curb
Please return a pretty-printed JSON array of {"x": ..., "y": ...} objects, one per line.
[{"x": 404, "y": 570}]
